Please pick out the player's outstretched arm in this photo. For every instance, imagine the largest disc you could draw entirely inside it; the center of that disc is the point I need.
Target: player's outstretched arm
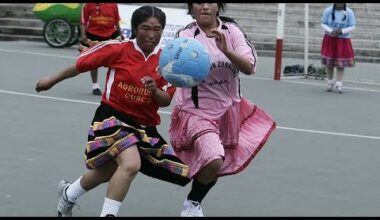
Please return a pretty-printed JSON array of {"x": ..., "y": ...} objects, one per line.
[{"x": 45, "y": 83}]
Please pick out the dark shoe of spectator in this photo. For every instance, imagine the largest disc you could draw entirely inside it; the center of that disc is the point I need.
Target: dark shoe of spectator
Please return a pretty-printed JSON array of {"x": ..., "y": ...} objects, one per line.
[{"x": 96, "y": 92}]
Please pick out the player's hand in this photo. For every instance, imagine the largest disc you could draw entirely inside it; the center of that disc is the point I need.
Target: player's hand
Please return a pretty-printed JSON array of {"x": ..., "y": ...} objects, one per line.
[
  {"x": 83, "y": 37},
  {"x": 93, "y": 42},
  {"x": 220, "y": 40},
  {"x": 44, "y": 84},
  {"x": 159, "y": 71},
  {"x": 149, "y": 83}
]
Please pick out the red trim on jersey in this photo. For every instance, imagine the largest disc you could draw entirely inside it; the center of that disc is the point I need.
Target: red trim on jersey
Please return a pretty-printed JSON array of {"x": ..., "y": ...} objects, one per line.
[{"x": 126, "y": 66}]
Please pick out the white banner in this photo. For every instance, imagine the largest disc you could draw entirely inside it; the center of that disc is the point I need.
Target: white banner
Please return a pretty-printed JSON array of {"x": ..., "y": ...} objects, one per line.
[{"x": 175, "y": 20}]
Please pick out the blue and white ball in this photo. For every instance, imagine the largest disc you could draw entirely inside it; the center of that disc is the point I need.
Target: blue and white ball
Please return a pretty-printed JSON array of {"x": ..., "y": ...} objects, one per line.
[{"x": 184, "y": 62}]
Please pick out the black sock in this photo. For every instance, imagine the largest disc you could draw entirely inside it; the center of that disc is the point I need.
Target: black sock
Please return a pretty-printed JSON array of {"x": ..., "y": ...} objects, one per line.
[{"x": 199, "y": 191}]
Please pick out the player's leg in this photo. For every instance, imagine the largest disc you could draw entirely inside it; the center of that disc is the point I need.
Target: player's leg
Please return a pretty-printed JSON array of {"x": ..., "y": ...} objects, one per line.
[
  {"x": 129, "y": 163},
  {"x": 69, "y": 192}
]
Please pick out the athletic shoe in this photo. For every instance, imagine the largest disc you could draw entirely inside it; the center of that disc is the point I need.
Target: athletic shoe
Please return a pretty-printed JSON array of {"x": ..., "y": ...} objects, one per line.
[
  {"x": 96, "y": 92},
  {"x": 191, "y": 209},
  {"x": 330, "y": 87},
  {"x": 64, "y": 206},
  {"x": 338, "y": 89}
]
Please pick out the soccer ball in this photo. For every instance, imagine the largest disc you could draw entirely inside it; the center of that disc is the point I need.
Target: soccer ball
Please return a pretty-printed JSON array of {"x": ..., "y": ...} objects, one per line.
[{"x": 184, "y": 62}]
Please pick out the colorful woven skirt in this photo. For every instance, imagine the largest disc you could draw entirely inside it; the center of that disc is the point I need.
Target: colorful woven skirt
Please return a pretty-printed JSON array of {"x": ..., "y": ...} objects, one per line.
[
  {"x": 111, "y": 132},
  {"x": 337, "y": 52}
]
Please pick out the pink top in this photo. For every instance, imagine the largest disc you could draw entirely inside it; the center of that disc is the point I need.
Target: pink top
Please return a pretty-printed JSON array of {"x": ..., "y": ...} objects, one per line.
[{"x": 222, "y": 85}]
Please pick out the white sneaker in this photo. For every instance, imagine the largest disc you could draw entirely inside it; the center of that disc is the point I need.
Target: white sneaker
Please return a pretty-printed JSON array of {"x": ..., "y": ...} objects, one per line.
[
  {"x": 64, "y": 206},
  {"x": 191, "y": 209},
  {"x": 330, "y": 87},
  {"x": 338, "y": 89}
]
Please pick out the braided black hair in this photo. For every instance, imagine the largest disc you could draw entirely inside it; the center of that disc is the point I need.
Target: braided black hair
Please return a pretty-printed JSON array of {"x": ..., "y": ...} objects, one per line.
[{"x": 333, "y": 12}]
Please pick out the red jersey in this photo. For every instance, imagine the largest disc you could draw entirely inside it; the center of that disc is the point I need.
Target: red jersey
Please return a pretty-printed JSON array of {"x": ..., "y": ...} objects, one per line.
[
  {"x": 100, "y": 19},
  {"x": 124, "y": 91}
]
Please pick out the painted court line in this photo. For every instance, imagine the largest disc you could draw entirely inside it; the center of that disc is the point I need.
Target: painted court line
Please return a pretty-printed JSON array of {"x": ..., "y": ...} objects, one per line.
[
  {"x": 313, "y": 84},
  {"x": 40, "y": 54},
  {"x": 241, "y": 76},
  {"x": 168, "y": 113}
]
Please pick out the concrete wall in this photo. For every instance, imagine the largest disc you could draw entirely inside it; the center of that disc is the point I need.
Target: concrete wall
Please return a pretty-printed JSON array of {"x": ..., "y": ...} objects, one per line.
[{"x": 258, "y": 20}]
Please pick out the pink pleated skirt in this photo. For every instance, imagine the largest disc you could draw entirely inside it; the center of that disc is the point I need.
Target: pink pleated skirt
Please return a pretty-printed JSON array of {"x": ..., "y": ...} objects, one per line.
[{"x": 237, "y": 137}]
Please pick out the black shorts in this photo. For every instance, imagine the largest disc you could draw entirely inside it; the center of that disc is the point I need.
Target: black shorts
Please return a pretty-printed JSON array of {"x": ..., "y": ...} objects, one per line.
[{"x": 94, "y": 37}]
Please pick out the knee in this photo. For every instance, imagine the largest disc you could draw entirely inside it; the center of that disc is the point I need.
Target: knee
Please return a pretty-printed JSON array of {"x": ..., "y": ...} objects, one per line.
[
  {"x": 131, "y": 168},
  {"x": 215, "y": 165}
]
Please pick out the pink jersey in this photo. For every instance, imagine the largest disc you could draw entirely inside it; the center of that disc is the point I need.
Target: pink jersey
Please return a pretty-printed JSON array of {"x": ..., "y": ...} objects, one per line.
[{"x": 212, "y": 97}]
